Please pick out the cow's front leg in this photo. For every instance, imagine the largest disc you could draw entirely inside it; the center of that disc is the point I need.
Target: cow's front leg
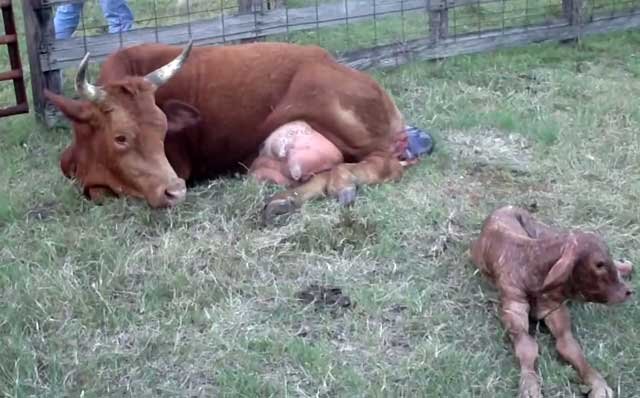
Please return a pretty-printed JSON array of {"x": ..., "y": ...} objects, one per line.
[
  {"x": 559, "y": 323},
  {"x": 340, "y": 182},
  {"x": 515, "y": 318}
]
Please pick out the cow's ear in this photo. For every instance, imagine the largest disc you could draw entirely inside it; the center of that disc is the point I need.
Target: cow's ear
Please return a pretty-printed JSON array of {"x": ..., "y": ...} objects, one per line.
[
  {"x": 77, "y": 111},
  {"x": 180, "y": 116}
]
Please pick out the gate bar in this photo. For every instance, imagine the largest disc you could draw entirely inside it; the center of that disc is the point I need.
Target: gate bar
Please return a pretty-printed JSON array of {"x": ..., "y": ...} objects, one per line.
[{"x": 10, "y": 39}]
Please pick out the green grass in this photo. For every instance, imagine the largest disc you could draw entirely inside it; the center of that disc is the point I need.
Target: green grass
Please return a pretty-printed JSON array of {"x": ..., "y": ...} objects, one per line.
[{"x": 121, "y": 300}]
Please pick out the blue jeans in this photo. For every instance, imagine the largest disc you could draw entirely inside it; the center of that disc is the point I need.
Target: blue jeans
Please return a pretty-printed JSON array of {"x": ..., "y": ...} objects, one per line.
[{"x": 116, "y": 12}]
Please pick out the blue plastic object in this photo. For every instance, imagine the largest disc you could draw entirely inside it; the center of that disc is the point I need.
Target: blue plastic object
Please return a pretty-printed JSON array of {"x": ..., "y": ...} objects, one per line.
[{"x": 420, "y": 143}]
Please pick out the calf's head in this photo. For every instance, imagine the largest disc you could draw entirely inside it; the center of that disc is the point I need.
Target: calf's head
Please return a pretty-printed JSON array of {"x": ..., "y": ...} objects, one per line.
[
  {"x": 586, "y": 269},
  {"x": 119, "y": 132}
]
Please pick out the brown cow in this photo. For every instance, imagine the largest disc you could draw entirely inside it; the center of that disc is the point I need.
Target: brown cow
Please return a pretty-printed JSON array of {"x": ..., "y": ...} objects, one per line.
[
  {"x": 536, "y": 268},
  {"x": 159, "y": 117}
]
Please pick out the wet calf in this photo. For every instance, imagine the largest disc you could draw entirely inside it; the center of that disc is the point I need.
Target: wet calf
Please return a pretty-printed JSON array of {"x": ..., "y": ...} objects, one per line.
[{"x": 536, "y": 268}]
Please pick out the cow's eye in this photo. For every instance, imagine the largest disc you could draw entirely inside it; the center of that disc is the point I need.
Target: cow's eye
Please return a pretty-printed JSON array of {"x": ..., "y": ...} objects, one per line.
[
  {"x": 600, "y": 265},
  {"x": 121, "y": 140}
]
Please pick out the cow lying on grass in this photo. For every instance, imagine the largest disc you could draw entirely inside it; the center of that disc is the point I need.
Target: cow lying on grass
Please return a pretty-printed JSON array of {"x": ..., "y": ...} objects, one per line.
[
  {"x": 536, "y": 268},
  {"x": 158, "y": 118}
]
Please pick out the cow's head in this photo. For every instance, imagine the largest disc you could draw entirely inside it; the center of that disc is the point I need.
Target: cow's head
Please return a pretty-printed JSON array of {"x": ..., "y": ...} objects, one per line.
[{"x": 119, "y": 132}]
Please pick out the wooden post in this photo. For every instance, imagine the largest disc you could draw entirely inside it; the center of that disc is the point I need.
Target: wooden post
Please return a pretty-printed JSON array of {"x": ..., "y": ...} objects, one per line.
[
  {"x": 39, "y": 31},
  {"x": 438, "y": 20},
  {"x": 248, "y": 7},
  {"x": 572, "y": 10},
  {"x": 273, "y": 4}
]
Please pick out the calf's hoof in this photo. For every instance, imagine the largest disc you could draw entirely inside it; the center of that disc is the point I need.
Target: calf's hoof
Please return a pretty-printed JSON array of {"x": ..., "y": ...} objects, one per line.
[
  {"x": 277, "y": 206},
  {"x": 529, "y": 387},
  {"x": 347, "y": 195},
  {"x": 600, "y": 390}
]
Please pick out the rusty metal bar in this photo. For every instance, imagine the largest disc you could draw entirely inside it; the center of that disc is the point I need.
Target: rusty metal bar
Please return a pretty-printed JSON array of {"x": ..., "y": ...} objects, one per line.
[
  {"x": 10, "y": 40},
  {"x": 6, "y": 39},
  {"x": 10, "y": 75},
  {"x": 14, "y": 110}
]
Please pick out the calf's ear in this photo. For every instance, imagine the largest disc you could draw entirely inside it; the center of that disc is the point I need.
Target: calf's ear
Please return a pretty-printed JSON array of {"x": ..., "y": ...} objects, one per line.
[
  {"x": 563, "y": 267},
  {"x": 180, "y": 116}
]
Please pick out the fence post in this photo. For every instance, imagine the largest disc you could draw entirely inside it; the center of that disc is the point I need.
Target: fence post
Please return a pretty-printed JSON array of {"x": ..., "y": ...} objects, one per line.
[
  {"x": 39, "y": 31},
  {"x": 438, "y": 20},
  {"x": 248, "y": 7},
  {"x": 244, "y": 6},
  {"x": 572, "y": 10}
]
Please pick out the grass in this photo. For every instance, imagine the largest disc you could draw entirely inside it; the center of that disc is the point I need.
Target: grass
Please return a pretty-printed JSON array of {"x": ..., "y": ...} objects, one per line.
[{"x": 119, "y": 299}]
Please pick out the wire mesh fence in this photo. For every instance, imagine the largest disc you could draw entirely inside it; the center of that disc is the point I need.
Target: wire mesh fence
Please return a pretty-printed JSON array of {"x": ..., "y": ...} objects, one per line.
[{"x": 362, "y": 33}]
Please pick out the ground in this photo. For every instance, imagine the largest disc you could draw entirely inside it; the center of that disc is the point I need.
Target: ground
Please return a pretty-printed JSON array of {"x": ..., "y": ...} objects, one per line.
[{"x": 202, "y": 300}]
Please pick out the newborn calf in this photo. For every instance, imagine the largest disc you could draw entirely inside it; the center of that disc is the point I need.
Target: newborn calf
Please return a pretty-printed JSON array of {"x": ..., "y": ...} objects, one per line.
[{"x": 536, "y": 268}]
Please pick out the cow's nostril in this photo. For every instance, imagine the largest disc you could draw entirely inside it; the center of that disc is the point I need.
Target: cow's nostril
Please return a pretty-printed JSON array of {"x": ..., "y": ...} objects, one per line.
[
  {"x": 176, "y": 192},
  {"x": 629, "y": 293}
]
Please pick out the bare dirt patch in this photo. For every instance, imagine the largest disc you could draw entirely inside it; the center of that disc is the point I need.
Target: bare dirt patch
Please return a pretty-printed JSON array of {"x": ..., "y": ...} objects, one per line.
[{"x": 329, "y": 296}]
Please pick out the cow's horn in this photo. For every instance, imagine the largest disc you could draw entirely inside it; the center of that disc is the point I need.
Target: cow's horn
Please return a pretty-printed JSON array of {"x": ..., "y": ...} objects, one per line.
[
  {"x": 161, "y": 75},
  {"x": 83, "y": 87}
]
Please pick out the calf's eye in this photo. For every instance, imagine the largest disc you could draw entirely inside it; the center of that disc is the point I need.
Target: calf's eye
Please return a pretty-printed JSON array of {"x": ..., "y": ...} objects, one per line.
[
  {"x": 600, "y": 265},
  {"x": 121, "y": 139}
]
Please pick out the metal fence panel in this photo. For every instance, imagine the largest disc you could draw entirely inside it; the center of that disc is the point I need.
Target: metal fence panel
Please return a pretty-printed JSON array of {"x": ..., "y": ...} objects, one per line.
[{"x": 362, "y": 33}]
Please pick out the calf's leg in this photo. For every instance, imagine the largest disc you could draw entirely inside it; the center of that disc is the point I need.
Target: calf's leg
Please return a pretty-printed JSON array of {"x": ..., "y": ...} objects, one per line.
[
  {"x": 515, "y": 317},
  {"x": 559, "y": 323}
]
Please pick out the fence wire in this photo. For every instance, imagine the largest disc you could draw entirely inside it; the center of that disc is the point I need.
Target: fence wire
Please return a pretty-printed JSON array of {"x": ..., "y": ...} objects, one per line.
[{"x": 342, "y": 26}]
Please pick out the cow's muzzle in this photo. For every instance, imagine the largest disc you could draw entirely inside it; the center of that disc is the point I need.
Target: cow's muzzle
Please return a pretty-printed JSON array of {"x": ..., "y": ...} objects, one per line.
[{"x": 170, "y": 195}]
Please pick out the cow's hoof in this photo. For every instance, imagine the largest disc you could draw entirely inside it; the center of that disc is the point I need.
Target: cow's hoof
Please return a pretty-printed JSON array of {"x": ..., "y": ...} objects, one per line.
[
  {"x": 600, "y": 390},
  {"x": 529, "y": 387},
  {"x": 347, "y": 195},
  {"x": 277, "y": 207}
]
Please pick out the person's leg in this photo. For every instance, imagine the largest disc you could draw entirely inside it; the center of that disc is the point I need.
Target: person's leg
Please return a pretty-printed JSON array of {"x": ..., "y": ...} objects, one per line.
[
  {"x": 118, "y": 15},
  {"x": 66, "y": 19}
]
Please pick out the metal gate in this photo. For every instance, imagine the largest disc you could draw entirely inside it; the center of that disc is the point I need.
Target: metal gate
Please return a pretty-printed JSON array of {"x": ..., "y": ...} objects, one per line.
[{"x": 10, "y": 39}]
